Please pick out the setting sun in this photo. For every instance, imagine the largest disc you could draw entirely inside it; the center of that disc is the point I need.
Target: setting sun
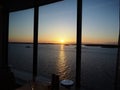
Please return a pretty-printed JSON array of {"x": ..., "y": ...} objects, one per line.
[{"x": 62, "y": 41}]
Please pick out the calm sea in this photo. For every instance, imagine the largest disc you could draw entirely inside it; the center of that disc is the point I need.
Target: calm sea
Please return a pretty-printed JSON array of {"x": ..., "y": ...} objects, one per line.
[{"x": 98, "y": 64}]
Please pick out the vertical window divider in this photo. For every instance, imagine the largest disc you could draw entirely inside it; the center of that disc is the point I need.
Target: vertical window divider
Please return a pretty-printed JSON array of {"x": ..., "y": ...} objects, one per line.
[
  {"x": 35, "y": 42},
  {"x": 79, "y": 42}
]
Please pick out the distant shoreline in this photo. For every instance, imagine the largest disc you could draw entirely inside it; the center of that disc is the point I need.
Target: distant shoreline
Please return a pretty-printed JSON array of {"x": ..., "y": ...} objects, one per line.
[
  {"x": 102, "y": 45},
  {"x": 92, "y": 45}
]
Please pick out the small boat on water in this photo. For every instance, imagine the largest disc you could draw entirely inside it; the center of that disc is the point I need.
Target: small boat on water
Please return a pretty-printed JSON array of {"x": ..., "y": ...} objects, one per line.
[{"x": 27, "y": 46}]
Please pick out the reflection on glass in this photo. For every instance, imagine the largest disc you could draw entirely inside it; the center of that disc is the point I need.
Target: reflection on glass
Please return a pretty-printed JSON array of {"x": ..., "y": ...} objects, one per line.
[{"x": 62, "y": 64}]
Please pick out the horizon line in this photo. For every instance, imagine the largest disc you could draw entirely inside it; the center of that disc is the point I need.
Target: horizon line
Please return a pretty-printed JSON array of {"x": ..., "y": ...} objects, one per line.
[{"x": 89, "y": 44}]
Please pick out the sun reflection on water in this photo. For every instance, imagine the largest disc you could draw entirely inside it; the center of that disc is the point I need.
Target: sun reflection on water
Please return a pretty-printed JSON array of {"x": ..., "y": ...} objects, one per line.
[{"x": 62, "y": 65}]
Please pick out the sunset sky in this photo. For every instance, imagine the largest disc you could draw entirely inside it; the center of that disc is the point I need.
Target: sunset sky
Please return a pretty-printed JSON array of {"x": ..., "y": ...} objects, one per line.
[{"x": 57, "y": 23}]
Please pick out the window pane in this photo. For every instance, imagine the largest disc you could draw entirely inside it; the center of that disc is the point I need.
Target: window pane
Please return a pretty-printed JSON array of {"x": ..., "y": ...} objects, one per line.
[
  {"x": 20, "y": 52},
  {"x": 100, "y": 27},
  {"x": 57, "y": 38}
]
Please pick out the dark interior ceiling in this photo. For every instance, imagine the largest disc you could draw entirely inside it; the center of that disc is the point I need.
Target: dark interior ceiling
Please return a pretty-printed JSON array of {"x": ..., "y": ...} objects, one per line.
[{"x": 15, "y": 5}]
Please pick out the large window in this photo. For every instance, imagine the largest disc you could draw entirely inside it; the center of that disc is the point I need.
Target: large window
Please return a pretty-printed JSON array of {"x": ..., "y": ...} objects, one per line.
[
  {"x": 100, "y": 31},
  {"x": 57, "y": 26},
  {"x": 57, "y": 39},
  {"x": 20, "y": 47}
]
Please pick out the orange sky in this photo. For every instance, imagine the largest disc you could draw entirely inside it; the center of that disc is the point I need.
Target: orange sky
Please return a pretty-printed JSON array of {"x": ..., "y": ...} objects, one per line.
[{"x": 58, "y": 21}]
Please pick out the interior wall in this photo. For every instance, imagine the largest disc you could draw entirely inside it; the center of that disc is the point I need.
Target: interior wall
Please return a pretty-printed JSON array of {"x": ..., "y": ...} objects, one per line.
[
  {"x": 3, "y": 34},
  {"x": 1, "y": 29}
]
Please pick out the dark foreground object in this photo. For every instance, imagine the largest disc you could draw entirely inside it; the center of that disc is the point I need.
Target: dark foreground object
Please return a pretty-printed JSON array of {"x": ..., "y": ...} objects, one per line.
[{"x": 7, "y": 80}]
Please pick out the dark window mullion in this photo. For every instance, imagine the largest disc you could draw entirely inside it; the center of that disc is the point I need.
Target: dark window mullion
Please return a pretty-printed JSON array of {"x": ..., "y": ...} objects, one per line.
[
  {"x": 35, "y": 44},
  {"x": 79, "y": 42}
]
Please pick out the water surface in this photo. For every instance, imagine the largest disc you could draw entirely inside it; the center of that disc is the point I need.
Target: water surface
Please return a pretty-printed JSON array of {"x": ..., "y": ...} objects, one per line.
[{"x": 98, "y": 64}]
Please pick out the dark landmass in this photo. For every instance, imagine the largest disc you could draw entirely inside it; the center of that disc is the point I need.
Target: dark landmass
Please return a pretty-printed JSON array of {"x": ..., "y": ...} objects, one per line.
[
  {"x": 40, "y": 43},
  {"x": 20, "y": 43},
  {"x": 103, "y": 45},
  {"x": 93, "y": 45}
]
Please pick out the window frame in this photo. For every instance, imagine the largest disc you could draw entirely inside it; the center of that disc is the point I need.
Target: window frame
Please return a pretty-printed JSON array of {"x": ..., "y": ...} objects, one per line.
[{"x": 35, "y": 45}]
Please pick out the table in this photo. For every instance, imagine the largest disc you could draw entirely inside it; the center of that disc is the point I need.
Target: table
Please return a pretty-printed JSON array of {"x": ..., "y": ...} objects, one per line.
[
  {"x": 34, "y": 86},
  {"x": 38, "y": 86}
]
